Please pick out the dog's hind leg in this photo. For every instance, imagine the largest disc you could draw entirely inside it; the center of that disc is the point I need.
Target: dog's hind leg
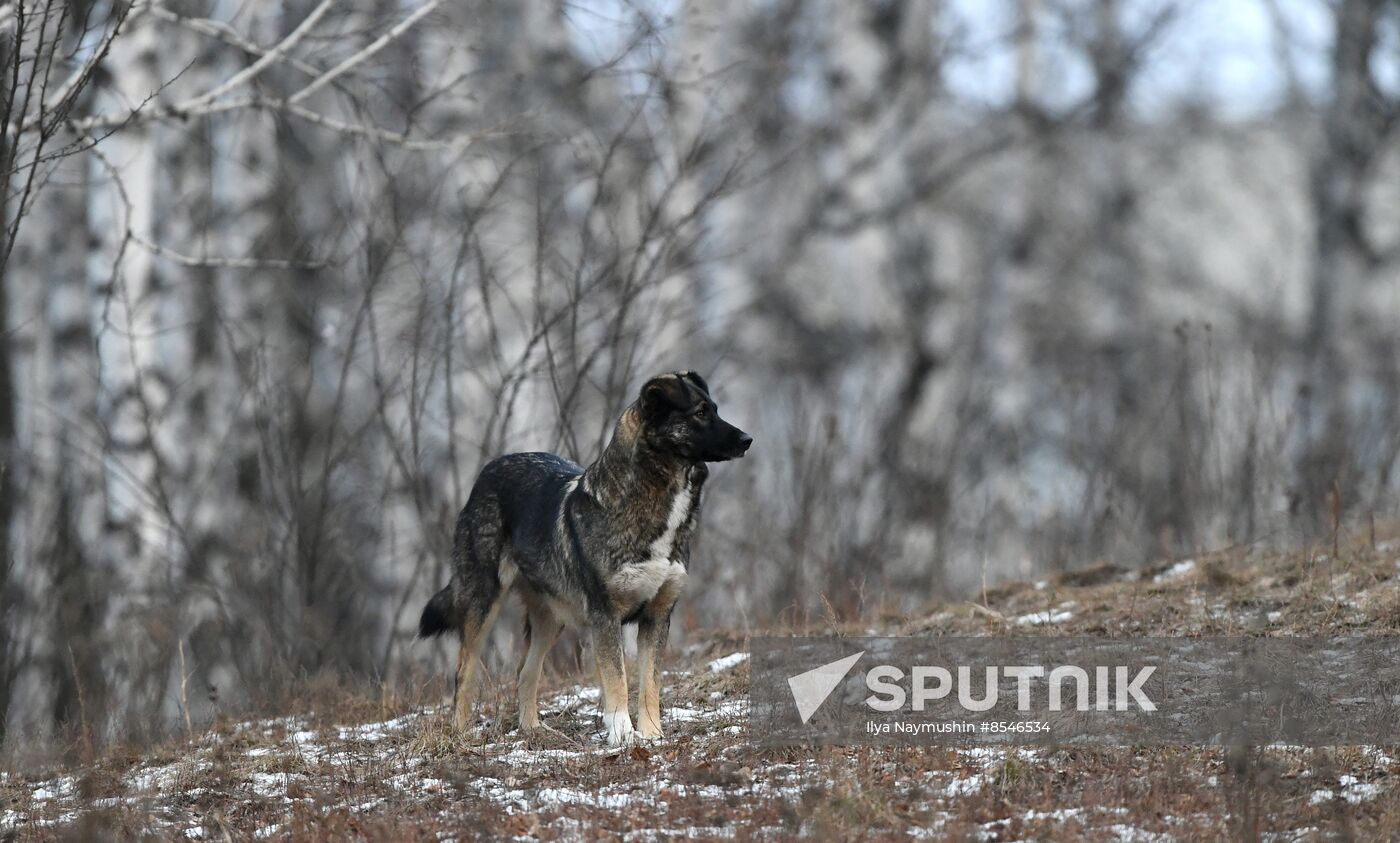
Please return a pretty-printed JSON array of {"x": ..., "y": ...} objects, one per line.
[
  {"x": 612, "y": 680},
  {"x": 542, "y": 629},
  {"x": 489, "y": 576},
  {"x": 475, "y": 630}
]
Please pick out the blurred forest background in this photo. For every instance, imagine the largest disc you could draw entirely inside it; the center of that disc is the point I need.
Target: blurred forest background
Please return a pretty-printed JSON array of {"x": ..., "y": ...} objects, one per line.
[{"x": 999, "y": 288}]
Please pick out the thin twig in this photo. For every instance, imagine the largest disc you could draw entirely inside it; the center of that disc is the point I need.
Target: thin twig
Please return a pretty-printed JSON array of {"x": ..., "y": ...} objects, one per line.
[
  {"x": 378, "y": 44},
  {"x": 184, "y": 691},
  {"x": 251, "y": 71}
]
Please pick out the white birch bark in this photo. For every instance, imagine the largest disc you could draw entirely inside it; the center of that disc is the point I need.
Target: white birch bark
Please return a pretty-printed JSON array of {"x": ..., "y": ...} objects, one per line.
[{"x": 141, "y": 352}]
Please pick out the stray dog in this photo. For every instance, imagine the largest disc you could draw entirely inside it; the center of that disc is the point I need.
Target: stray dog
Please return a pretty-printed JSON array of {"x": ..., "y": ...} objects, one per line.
[{"x": 592, "y": 548}]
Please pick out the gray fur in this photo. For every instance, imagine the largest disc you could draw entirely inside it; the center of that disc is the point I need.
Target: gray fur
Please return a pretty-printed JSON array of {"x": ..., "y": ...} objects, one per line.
[{"x": 592, "y": 548}]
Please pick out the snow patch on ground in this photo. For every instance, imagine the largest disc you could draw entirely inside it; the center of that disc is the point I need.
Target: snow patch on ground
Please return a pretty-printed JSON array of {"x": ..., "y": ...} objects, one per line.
[
  {"x": 163, "y": 778},
  {"x": 1354, "y": 790},
  {"x": 534, "y": 757},
  {"x": 728, "y": 662},
  {"x": 1133, "y": 834},
  {"x": 731, "y": 709},
  {"x": 1350, "y": 788},
  {"x": 680, "y": 714},
  {"x": 1176, "y": 571},
  {"x": 1059, "y": 614},
  {"x": 963, "y": 787},
  {"x": 60, "y": 788},
  {"x": 272, "y": 784},
  {"x": 1059, "y": 815},
  {"x": 373, "y": 732},
  {"x": 711, "y": 832},
  {"x": 569, "y": 796},
  {"x": 572, "y": 699}
]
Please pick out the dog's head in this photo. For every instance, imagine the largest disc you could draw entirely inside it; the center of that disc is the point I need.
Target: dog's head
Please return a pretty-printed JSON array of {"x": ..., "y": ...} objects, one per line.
[{"x": 678, "y": 416}]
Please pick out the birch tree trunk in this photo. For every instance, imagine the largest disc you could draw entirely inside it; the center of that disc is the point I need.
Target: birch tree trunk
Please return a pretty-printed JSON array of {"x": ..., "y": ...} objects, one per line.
[
  {"x": 232, "y": 167},
  {"x": 46, "y": 517},
  {"x": 1352, "y": 136},
  {"x": 140, "y": 334},
  {"x": 8, "y": 449},
  {"x": 67, "y": 507}
]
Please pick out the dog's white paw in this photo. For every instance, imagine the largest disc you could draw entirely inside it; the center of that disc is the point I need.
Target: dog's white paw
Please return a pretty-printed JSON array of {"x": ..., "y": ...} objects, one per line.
[{"x": 619, "y": 726}]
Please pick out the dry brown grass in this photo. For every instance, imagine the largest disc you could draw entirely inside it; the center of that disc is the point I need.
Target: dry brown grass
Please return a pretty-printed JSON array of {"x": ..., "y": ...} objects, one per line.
[{"x": 389, "y": 768}]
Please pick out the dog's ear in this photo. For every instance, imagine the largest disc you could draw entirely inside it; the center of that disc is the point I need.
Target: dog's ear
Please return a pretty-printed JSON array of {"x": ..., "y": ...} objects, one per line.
[
  {"x": 697, "y": 380},
  {"x": 660, "y": 395}
]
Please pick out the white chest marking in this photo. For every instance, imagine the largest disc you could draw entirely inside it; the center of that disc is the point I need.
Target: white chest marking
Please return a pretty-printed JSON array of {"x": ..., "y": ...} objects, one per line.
[
  {"x": 642, "y": 580},
  {"x": 665, "y": 544}
]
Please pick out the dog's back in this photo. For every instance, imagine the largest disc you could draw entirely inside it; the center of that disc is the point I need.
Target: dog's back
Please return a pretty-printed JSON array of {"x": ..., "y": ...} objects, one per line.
[
  {"x": 529, "y": 491},
  {"x": 515, "y": 504}
]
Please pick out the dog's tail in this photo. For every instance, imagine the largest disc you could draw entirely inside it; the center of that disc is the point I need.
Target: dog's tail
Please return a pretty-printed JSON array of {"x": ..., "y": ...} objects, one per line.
[{"x": 439, "y": 616}]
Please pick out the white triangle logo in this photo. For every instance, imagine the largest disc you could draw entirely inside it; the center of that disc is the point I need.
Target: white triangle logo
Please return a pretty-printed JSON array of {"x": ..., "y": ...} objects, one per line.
[{"x": 810, "y": 689}]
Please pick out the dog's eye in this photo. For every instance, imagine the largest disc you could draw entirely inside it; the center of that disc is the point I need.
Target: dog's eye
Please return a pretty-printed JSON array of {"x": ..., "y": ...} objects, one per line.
[{"x": 703, "y": 411}]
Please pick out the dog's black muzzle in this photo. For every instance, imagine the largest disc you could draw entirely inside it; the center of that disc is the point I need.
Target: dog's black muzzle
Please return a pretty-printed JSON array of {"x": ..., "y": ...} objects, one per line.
[{"x": 734, "y": 449}]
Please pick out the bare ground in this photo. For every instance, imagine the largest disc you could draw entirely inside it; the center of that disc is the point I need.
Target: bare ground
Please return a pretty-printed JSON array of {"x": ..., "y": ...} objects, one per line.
[{"x": 392, "y": 770}]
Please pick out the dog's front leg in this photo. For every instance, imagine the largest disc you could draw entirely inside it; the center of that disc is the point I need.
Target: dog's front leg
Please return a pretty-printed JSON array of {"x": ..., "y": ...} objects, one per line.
[
  {"x": 653, "y": 628},
  {"x": 651, "y": 644},
  {"x": 612, "y": 679}
]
